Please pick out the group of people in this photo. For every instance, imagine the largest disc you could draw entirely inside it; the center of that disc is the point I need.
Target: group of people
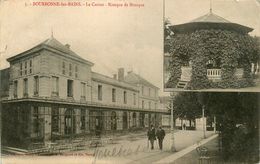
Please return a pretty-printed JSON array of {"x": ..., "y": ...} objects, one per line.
[{"x": 152, "y": 134}]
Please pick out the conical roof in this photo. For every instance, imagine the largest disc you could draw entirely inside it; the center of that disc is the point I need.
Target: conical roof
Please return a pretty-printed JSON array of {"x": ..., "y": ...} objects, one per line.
[{"x": 209, "y": 21}]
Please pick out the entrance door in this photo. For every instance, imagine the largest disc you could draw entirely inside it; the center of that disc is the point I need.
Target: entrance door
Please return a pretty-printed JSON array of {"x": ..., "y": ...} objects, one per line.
[
  {"x": 70, "y": 121},
  {"x": 125, "y": 120}
]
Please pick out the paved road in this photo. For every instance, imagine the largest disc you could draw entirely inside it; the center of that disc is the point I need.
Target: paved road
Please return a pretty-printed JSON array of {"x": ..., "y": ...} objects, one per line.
[{"x": 183, "y": 139}]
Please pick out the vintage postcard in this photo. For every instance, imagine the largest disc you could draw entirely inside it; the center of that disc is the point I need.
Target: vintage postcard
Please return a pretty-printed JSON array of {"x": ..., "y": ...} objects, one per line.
[{"x": 94, "y": 81}]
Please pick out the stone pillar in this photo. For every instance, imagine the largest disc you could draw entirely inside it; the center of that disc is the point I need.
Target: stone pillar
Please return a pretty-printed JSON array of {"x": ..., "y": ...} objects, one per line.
[
  {"x": 47, "y": 123},
  {"x": 87, "y": 120},
  {"x": 62, "y": 121},
  {"x": 77, "y": 121},
  {"x": 119, "y": 115},
  {"x": 107, "y": 120},
  {"x": 146, "y": 120},
  {"x": 137, "y": 119}
]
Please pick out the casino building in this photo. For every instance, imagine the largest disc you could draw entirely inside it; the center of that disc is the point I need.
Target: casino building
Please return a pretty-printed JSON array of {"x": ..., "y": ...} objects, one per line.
[{"x": 51, "y": 92}]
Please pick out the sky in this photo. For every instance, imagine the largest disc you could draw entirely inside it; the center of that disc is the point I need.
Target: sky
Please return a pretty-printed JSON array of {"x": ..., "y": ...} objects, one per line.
[{"x": 111, "y": 37}]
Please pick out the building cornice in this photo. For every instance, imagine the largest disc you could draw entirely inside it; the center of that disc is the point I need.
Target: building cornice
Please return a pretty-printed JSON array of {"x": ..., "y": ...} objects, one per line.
[{"x": 79, "y": 104}]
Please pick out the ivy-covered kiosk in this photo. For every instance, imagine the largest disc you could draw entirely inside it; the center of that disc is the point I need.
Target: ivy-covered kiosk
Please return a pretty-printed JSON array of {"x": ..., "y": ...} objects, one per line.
[{"x": 211, "y": 52}]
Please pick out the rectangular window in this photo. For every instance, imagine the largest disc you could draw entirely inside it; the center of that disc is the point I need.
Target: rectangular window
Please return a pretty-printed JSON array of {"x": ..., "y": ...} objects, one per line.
[
  {"x": 83, "y": 90},
  {"x": 55, "y": 86},
  {"x": 25, "y": 68},
  {"x": 155, "y": 105},
  {"x": 63, "y": 68},
  {"x": 142, "y": 90},
  {"x": 36, "y": 86},
  {"x": 142, "y": 104},
  {"x": 15, "y": 88},
  {"x": 125, "y": 97},
  {"x": 83, "y": 119},
  {"x": 149, "y": 105},
  {"x": 99, "y": 92},
  {"x": 149, "y": 93},
  {"x": 134, "y": 97},
  {"x": 21, "y": 69},
  {"x": 70, "y": 69},
  {"x": 30, "y": 70},
  {"x": 25, "y": 87},
  {"x": 113, "y": 95},
  {"x": 70, "y": 88},
  {"x": 76, "y": 71}
]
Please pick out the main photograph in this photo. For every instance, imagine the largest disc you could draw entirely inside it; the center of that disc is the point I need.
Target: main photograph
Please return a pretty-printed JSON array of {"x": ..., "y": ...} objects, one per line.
[{"x": 211, "y": 46}]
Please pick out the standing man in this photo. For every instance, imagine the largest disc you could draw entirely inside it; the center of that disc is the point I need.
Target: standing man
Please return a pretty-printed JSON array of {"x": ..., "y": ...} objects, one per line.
[
  {"x": 151, "y": 136},
  {"x": 160, "y": 135}
]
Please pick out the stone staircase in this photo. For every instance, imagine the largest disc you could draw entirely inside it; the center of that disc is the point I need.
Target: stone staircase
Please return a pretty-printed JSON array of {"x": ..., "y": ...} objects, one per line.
[
  {"x": 13, "y": 151},
  {"x": 182, "y": 84}
]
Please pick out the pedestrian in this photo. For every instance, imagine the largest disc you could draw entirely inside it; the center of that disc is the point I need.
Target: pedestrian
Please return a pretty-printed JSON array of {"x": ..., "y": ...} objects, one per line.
[
  {"x": 151, "y": 136},
  {"x": 184, "y": 126},
  {"x": 160, "y": 135}
]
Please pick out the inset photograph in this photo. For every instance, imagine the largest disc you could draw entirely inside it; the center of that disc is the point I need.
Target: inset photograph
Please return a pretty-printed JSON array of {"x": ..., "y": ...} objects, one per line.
[{"x": 211, "y": 46}]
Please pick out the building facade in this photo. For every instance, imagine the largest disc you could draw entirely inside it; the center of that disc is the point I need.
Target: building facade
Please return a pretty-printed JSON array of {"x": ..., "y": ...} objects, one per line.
[{"x": 51, "y": 92}]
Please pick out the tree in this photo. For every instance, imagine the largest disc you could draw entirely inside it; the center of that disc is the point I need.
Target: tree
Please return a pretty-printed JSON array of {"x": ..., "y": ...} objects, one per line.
[
  {"x": 238, "y": 113},
  {"x": 187, "y": 106}
]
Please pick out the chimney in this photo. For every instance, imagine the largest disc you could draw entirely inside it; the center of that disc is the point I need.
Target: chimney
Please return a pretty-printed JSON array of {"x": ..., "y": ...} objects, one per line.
[
  {"x": 115, "y": 76},
  {"x": 67, "y": 45},
  {"x": 121, "y": 75}
]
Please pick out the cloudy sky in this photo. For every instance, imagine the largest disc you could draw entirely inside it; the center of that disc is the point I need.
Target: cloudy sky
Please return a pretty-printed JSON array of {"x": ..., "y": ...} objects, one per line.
[{"x": 111, "y": 37}]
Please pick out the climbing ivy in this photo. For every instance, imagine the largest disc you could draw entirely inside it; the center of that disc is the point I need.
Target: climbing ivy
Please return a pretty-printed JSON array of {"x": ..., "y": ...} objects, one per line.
[{"x": 233, "y": 50}]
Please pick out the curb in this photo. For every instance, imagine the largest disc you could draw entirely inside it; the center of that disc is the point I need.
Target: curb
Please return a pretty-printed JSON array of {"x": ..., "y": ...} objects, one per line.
[{"x": 185, "y": 151}]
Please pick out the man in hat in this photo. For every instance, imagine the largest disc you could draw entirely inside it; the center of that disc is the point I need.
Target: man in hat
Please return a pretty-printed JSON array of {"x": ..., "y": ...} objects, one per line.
[
  {"x": 160, "y": 135},
  {"x": 151, "y": 136}
]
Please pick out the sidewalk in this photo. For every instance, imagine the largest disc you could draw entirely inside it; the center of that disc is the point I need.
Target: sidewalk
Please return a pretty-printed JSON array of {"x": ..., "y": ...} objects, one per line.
[
  {"x": 193, "y": 157},
  {"x": 183, "y": 139},
  {"x": 128, "y": 149}
]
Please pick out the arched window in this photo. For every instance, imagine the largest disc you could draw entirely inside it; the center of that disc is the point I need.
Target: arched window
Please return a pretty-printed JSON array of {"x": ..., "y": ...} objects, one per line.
[{"x": 70, "y": 121}]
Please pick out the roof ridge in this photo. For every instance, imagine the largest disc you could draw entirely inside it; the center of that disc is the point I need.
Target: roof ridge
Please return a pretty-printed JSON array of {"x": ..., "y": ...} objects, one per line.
[
  {"x": 208, "y": 18},
  {"x": 140, "y": 79}
]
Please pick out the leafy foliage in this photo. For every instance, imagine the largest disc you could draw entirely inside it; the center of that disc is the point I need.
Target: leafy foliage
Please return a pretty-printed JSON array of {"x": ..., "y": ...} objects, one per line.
[
  {"x": 232, "y": 49},
  {"x": 236, "y": 113},
  {"x": 186, "y": 106}
]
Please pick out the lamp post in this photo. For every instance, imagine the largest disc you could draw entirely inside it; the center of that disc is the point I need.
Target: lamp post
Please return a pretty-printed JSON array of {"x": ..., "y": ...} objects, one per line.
[
  {"x": 173, "y": 149},
  {"x": 215, "y": 124},
  {"x": 203, "y": 121}
]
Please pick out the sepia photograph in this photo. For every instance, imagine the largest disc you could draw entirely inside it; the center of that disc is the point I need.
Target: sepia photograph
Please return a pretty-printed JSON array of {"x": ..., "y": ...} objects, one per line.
[
  {"x": 212, "y": 45},
  {"x": 104, "y": 81}
]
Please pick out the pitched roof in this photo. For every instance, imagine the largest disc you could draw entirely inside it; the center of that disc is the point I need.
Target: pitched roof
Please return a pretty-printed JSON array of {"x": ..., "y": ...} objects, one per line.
[
  {"x": 209, "y": 21},
  {"x": 52, "y": 43},
  {"x": 211, "y": 17},
  {"x": 133, "y": 78},
  {"x": 108, "y": 80}
]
